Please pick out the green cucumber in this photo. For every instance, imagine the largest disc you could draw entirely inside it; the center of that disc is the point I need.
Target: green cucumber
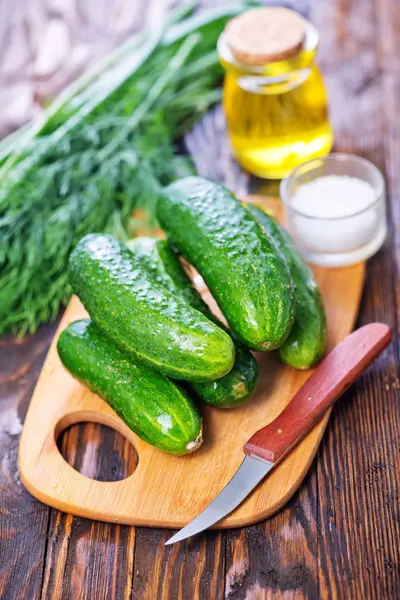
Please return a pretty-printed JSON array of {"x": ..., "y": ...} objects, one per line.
[
  {"x": 216, "y": 234},
  {"x": 156, "y": 409},
  {"x": 237, "y": 385},
  {"x": 144, "y": 319},
  {"x": 164, "y": 265},
  {"x": 307, "y": 339}
]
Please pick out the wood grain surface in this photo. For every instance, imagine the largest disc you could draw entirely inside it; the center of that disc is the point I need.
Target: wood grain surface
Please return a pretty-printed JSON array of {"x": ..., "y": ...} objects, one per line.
[{"x": 339, "y": 536}]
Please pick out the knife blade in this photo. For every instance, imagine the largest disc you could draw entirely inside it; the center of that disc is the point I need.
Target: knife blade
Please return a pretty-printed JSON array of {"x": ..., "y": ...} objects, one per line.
[
  {"x": 269, "y": 445},
  {"x": 251, "y": 471}
]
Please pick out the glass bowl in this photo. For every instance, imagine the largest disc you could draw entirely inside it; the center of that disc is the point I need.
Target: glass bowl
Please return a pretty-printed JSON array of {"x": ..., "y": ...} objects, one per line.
[{"x": 343, "y": 239}]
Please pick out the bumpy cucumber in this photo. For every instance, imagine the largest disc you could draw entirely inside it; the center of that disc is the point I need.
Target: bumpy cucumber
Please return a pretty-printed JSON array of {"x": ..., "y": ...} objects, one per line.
[
  {"x": 144, "y": 319},
  {"x": 156, "y": 409},
  {"x": 242, "y": 268},
  {"x": 235, "y": 387},
  {"x": 307, "y": 339},
  {"x": 164, "y": 265}
]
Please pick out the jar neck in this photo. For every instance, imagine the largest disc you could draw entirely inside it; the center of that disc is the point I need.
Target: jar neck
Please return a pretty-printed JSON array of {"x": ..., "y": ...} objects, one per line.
[{"x": 284, "y": 69}]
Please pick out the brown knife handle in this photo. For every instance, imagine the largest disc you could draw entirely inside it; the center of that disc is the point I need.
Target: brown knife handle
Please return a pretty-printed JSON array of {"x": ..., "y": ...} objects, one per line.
[{"x": 327, "y": 383}]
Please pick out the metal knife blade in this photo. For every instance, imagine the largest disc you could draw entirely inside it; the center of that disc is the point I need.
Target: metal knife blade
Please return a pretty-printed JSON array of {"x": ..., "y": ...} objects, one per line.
[{"x": 251, "y": 471}]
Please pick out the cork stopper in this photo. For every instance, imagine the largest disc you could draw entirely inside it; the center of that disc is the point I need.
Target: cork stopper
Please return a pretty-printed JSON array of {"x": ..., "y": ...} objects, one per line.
[{"x": 265, "y": 34}]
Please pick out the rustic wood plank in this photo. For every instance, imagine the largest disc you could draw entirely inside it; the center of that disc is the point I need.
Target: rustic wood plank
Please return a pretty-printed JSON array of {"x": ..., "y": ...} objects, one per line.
[
  {"x": 278, "y": 558},
  {"x": 388, "y": 46},
  {"x": 23, "y": 520},
  {"x": 191, "y": 570},
  {"x": 84, "y": 558},
  {"x": 219, "y": 163},
  {"x": 358, "y": 470}
]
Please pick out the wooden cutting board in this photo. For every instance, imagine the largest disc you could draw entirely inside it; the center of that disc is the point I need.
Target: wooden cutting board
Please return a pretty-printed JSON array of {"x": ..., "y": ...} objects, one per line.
[{"x": 164, "y": 490}]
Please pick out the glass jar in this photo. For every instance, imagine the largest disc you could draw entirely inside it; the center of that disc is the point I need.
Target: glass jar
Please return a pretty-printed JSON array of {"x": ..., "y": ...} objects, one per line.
[
  {"x": 352, "y": 234},
  {"x": 276, "y": 113}
]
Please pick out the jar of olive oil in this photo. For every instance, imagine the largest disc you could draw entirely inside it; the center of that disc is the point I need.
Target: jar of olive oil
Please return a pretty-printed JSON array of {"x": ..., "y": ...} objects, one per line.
[{"x": 274, "y": 96}]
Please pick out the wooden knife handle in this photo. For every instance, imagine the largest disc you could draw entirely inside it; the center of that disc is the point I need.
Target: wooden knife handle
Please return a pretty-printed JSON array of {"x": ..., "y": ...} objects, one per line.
[{"x": 327, "y": 383}]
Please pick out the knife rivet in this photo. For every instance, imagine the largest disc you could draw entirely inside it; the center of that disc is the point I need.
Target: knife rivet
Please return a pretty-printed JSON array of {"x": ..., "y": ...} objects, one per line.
[{"x": 279, "y": 431}]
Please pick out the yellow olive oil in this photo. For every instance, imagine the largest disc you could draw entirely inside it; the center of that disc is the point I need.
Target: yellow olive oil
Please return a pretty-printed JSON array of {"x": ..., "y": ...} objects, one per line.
[
  {"x": 274, "y": 132},
  {"x": 277, "y": 116}
]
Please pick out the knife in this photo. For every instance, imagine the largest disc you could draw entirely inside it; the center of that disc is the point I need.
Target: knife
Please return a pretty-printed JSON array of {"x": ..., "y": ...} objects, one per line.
[{"x": 268, "y": 446}]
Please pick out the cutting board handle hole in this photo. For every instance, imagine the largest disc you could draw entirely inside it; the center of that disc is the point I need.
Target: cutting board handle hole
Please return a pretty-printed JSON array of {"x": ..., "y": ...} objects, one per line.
[{"x": 96, "y": 450}]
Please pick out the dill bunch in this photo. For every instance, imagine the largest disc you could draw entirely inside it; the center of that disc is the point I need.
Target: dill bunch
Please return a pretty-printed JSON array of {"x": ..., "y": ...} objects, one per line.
[{"x": 106, "y": 146}]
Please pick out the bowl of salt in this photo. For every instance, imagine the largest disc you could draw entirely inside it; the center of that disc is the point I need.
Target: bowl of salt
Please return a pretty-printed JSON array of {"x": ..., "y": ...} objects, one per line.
[{"x": 335, "y": 209}]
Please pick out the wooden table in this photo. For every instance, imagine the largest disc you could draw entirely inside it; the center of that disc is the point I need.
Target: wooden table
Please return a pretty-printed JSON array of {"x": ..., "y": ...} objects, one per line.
[{"x": 339, "y": 536}]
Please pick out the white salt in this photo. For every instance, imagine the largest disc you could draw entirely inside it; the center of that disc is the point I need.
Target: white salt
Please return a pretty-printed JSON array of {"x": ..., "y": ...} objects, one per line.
[
  {"x": 333, "y": 196},
  {"x": 341, "y": 220}
]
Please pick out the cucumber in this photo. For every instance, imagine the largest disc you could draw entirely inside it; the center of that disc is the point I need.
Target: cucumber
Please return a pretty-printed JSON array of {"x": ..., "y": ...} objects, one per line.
[
  {"x": 164, "y": 265},
  {"x": 156, "y": 409},
  {"x": 242, "y": 268},
  {"x": 237, "y": 385},
  {"x": 144, "y": 319},
  {"x": 307, "y": 339}
]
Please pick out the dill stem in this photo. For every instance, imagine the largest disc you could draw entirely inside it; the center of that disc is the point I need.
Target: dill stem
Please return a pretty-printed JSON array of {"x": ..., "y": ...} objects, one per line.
[{"x": 173, "y": 66}]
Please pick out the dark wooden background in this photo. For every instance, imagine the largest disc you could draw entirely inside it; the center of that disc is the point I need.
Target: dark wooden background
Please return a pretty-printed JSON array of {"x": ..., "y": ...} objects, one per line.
[{"x": 339, "y": 536}]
